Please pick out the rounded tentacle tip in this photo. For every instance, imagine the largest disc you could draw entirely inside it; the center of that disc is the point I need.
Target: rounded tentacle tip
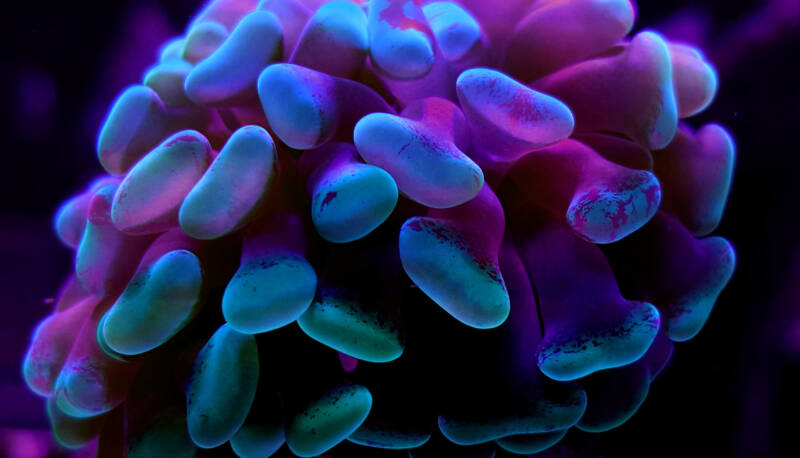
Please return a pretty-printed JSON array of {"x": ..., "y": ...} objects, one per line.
[
  {"x": 352, "y": 201},
  {"x": 344, "y": 324},
  {"x": 328, "y": 420},
  {"x": 575, "y": 355},
  {"x": 222, "y": 387},
  {"x": 696, "y": 80},
  {"x": 135, "y": 123},
  {"x": 80, "y": 391},
  {"x": 401, "y": 42},
  {"x": 149, "y": 198},
  {"x": 70, "y": 432},
  {"x": 268, "y": 292},
  {"x": 233, "y": 187},
  {"x": 426, "y": 165},
  {"x": 462, "y": 280},
  {"x": 297, "y": 103},
  {"x": 606, "y": 214},
  {"x": 685, "y": 318},
  {"x": 457, "y": 32},
  {"x": 230, "y": 72},
  {"x": 156, "y": 304},
  {"x": 508, "y": 117}
]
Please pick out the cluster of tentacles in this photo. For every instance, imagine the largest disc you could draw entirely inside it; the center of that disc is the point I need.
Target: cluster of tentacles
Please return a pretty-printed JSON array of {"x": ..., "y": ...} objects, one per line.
[{"x": 443, "y": 228}]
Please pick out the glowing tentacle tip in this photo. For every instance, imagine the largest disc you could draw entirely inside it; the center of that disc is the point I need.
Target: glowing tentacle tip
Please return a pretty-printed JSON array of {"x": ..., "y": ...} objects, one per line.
[
  {"x": 226, "y": 12},
  {"x": 628, "y": 90},
  {"x": 231, "y": 71},
  {"x": 344, "y": 324},
  {"x": 607, "y": 214},
  {"x": 400, "y": 40},
  {"x": 263, "y": 433},
  {"x": 167, "y": 79},
  {"x": 572, "y": 358},
  {"x": 690, "y": 313},
  {"x": 106, "y": 257},
  {"x": 293, "y": 16},
  {"x": 328, "y": 420},
  {"x": 268, "y": 292},
  {"x": 452, "y": 256},
  {"x": 695, "y": 80},
  {"x": 427, "y": 166},
  {"x": 171, "y": 50},
  {"x": 91, "y": 382},
  {"x": 588, "y": 326},
  {"x": 553, "y": 35},
  {"x": 349, "y": 199},
  {"x": 222, "y": 387},
  {"x": 232, "y": 188},
  {"x": 71, "y": 432},
  {"x": 158, "y": 303},
  {"x": 682, "y": 275},
  {"x": 136, "y": 122},
  {"x": 696, "y": 170},
  {"x": 202, "y": 40},
  {"x": 334, "y": 40},
  {"x": 50, "y": 345},
  {"x": 70, "y": 220},
  {"x": 602, "y": 201},
  {"x": 148, "y": 199},
  {"x": 457, "y": 32},
  {"x": 508, "y": 118},
  {"x": 307, "y": 108}
]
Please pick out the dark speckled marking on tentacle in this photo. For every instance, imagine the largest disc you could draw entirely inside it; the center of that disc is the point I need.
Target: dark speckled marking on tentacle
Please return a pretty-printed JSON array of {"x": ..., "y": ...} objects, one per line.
[
  {"x": 570, "y": 356},
  {"x": 339, "y": 319},
  {"x": 222, "y": 388},
  {"x": 440, "y": 260},
  {"x": 328, "y": 419}
]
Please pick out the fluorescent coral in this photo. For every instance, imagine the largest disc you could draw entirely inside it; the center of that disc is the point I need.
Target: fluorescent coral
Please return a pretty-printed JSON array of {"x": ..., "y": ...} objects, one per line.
[{"x": 448, "y": 227}]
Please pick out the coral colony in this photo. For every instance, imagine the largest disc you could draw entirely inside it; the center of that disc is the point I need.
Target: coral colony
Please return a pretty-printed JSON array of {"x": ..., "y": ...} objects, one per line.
[{"x": 446, "y": 228}]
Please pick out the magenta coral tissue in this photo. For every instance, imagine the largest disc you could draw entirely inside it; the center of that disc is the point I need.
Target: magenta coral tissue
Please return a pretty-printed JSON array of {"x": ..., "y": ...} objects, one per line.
[{"x": 364, "y": 228}]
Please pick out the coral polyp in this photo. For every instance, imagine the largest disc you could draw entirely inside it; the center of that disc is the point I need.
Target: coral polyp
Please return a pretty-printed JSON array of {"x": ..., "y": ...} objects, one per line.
[{"x": 348, "y": 227}]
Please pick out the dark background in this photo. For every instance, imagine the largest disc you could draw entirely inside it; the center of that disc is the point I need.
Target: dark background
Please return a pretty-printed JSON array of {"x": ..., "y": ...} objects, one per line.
[{"x": 731, "y": 391}]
